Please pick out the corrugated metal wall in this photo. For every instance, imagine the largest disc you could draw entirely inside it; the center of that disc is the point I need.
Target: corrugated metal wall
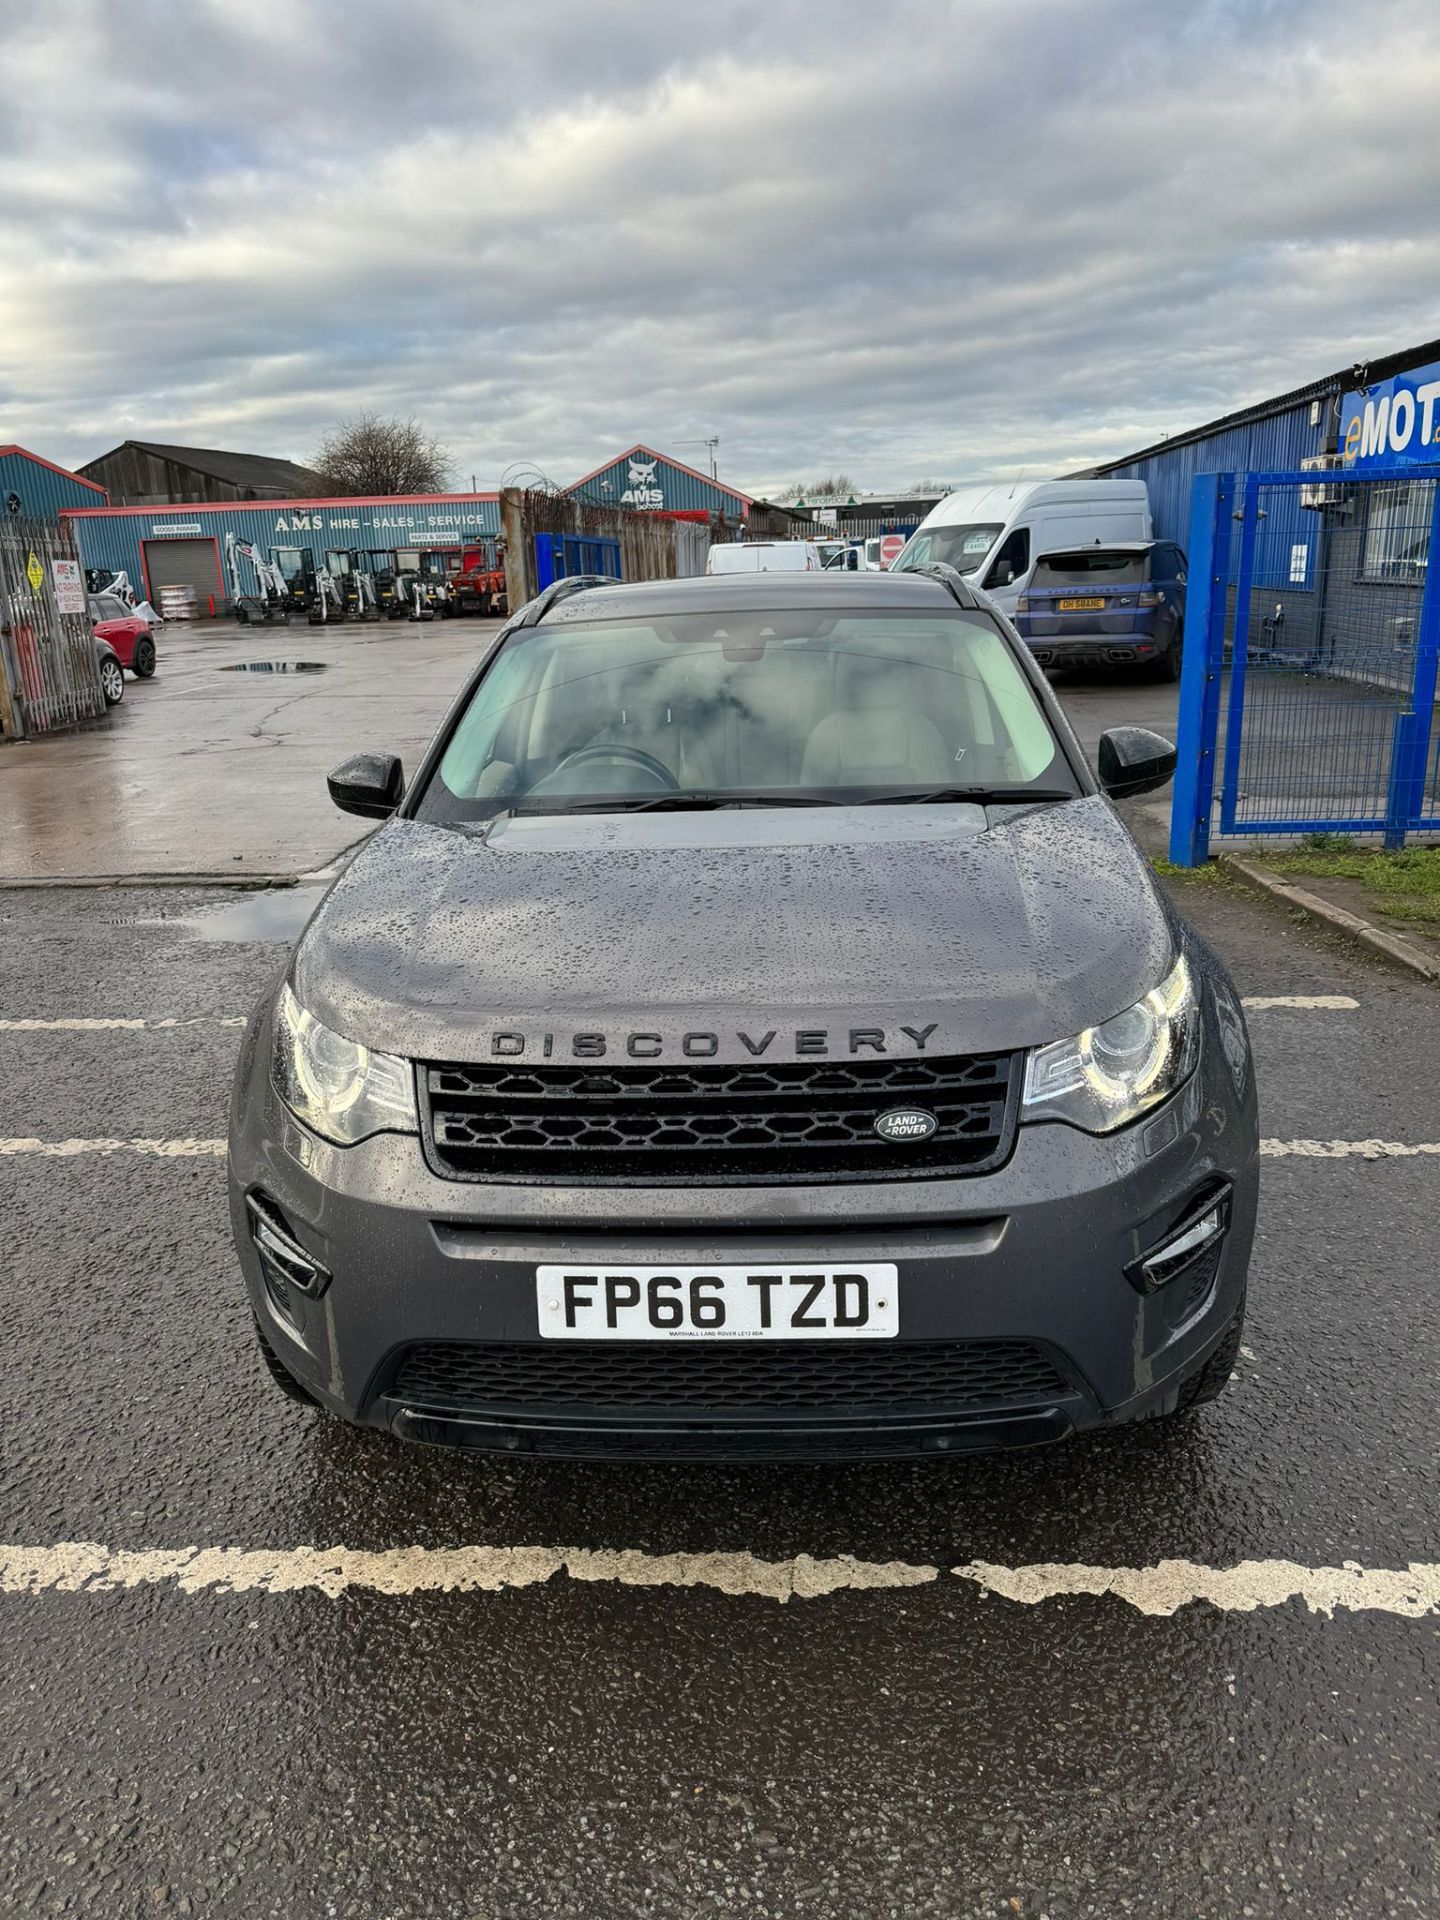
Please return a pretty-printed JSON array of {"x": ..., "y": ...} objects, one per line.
[
  {"x": 680, "y": 491},
  {"x": 42, "y": 491},
  {"x": 114, "y": 538},
  {"x": 1279, "y": 441}
]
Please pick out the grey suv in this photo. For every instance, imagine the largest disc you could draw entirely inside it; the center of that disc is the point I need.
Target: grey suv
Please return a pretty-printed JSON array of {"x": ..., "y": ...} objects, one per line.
[{"x": 752, "y": 1034}]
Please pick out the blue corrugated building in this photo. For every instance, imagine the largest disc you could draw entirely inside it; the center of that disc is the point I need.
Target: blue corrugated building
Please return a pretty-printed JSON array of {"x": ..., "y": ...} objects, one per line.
[
  {"x": 652, "y": 482},
  {"x": 1270, "y": 436},
  {"x": 184, "y": 544},
  {"x": 31, "y": 485}
]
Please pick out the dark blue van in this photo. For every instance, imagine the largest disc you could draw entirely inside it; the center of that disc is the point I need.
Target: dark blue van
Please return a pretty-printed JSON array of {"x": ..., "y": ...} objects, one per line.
[{"x": 1121, "y": 605}]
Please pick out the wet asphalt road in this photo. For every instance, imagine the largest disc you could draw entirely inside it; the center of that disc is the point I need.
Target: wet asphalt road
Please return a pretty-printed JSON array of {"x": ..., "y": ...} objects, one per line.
[{"x": 612, "y": 1749}]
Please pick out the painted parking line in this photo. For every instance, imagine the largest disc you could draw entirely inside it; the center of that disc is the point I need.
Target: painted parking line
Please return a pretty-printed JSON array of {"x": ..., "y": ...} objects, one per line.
[
  {"x": 1348, "y": 1149},
  {"x": 1300, "y": 1002},
  {"x": 121, "y": 1025},
  {"x": 199, "y": 1149},
  {"x": 86, "y": 1567},
  {"x": 151, "y": 1149}
]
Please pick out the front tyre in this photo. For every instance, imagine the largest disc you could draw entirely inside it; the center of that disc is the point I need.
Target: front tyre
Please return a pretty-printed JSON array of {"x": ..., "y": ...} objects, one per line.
[
  {"x": 1211, "y": 1380},
  {"x": 112, "y": 682},
  {"x": 280, "y": 1374},
  {"x": 143, "y": 663}
]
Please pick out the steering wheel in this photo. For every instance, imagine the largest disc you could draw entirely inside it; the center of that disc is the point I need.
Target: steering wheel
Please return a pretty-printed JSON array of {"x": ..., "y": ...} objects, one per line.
[{"x": 627, "y": 756}]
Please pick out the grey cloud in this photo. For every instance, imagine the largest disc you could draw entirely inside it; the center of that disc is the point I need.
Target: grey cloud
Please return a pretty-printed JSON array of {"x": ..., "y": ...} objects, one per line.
[{"x": 962, "y": 238}]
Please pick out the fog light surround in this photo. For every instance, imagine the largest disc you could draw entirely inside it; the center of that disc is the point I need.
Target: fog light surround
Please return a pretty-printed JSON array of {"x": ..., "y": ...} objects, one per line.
[
  {"x": 284, "y": 1263},
  {"x": 1199, "y": 1229}
]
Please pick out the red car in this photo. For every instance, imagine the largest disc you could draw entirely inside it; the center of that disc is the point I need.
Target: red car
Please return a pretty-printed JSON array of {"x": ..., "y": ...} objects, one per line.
[{"x": 124, "y": 632}]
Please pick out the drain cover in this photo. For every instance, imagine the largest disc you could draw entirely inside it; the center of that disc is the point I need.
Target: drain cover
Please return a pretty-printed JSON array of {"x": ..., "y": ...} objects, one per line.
[{"x": 276, "y": 666}]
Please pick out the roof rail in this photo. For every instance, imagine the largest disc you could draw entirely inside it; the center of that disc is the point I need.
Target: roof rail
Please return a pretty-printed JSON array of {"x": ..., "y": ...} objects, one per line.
[
  {"x": 950, "y": 577},
  {"x": 534, "y": 611}
]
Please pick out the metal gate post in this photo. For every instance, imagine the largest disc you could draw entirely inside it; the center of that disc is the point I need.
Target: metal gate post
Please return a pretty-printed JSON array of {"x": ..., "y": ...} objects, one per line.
[
  {"x": 1211, "y": 503},
  {"x": 1239, "y": 650},
  {"x": 1410, "y": 755},
  {"x": 12, "y": 690}
]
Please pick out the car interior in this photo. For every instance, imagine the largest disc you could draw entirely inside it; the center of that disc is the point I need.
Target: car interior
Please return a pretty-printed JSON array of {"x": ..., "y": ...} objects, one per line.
[{"x": 640, "y": 711}]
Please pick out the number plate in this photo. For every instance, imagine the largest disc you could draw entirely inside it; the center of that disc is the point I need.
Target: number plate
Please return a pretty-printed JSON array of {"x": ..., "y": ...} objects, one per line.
[
  {"x": 1080, "y": 606},
  {"x": 778, "y": 1302}
]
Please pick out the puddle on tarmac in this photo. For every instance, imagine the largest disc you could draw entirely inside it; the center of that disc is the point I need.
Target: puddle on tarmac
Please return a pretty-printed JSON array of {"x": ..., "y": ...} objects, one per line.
[
  {"x": 271, "y": 913},
  {"x": 276, "y": 666}
]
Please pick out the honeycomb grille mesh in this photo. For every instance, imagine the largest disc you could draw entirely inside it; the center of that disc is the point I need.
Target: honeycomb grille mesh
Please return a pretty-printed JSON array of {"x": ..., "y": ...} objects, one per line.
[
  {"x": 703, "y": 1123},
  {"x": 692, "y": 1380}
]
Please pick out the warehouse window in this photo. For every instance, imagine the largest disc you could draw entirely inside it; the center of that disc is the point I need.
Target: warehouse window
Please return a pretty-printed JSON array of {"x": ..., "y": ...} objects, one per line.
[{"x": 1397, "y": 532}]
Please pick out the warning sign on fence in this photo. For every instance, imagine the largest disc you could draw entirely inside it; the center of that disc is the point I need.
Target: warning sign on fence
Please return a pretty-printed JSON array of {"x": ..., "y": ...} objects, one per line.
[
  {"x": 69, "y": 587},
  {"x": 35, "y": 573}
]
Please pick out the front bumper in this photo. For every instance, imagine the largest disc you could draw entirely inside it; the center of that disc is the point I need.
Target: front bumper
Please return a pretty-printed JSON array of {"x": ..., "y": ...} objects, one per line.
[{"x": 1035, "y": 1253}]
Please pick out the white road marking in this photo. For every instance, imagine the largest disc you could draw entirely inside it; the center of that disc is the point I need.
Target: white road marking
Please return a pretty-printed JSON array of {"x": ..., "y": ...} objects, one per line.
[
  {"x": 153, "y": 1149},
  {"x": 83, "y": 1566},
  {"x": 121, "y": 1025},
  {"x": 1348, "y": 1149},
  {"x": 1412, "y": 1592},
  {"x": 1303, "y": 1002},
  {"x": 215, "y": 1149}
]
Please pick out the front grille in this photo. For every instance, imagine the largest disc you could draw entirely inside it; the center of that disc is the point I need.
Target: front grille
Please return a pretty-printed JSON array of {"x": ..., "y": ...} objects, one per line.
[
  {"x": 694, "y": 1382},
  {"x": 705, "y": 1124}
]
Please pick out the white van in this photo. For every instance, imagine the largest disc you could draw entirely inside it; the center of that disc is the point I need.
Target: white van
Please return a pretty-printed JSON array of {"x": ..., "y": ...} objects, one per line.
[
  {"x": 995, "y": 534},
  {"x": 764, "y": 556}
]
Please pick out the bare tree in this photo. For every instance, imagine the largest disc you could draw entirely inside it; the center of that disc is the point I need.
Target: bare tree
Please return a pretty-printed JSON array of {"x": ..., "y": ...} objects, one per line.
[
  {"x": 932, "y": 486},
  {"x": 369, "y": 455},
  {"x": 807, "y": 489}
]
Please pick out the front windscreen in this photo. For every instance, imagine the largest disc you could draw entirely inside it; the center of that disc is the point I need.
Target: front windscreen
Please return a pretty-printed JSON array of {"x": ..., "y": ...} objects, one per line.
[
  {"x": 1101, "y": 567},
  {"x": 777, "y": 708},
  {"x": 963, "y": 546}
]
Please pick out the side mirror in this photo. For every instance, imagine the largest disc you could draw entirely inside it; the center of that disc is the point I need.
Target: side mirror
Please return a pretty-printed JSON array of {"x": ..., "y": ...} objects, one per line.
[
  {"x": 1001, "y": 574},
  {"x": 1134, "y": 760},
  {"x": 370, "y": 784}
]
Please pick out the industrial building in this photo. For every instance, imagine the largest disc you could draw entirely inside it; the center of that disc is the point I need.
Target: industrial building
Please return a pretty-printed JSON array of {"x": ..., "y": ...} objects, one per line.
[
  {"x": 146, "y": 473},
  {"x": 1320, "y": 425},
  {"x": 185, "y": 545},
  {"x": 651, "y": 481},
  {"x": 35, "y": 486},
  {"x": 1330, "y": 558}
]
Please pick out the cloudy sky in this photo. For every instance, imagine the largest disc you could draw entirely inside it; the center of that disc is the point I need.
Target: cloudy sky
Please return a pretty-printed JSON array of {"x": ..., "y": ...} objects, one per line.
[{"x": 924, "y": 239}]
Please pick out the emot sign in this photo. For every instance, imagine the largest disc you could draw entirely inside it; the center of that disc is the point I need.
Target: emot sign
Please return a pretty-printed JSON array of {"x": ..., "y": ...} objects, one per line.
[{"x": 1394, "y": 423}]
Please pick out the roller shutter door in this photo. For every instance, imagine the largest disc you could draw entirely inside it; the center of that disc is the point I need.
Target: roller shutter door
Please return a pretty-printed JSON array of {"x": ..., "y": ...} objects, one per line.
[{"x": 184, "y": 563}]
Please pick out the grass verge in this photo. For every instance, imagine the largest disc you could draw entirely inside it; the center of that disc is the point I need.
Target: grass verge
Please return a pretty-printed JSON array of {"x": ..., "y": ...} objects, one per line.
[{"x": 1402, "y": 886}]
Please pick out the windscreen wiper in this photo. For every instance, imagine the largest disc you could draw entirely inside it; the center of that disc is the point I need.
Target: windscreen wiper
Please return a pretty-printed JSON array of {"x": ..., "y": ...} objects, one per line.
[
  {"x": 701, "y": 802},
  {"x": 679, "y": 803},
  {"x": 980, "y": 796}
]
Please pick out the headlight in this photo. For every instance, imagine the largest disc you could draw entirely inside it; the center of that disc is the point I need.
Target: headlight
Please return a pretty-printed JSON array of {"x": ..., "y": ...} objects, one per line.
[
  {"x": 340, "y": 1089},
  {"x": 1110, "y": 1073}
]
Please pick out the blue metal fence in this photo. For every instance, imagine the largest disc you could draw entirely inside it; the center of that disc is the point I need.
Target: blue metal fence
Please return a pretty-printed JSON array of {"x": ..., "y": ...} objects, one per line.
[
  {"x": 1307, "y": 696},
  {"x": 559, "y": 555}
]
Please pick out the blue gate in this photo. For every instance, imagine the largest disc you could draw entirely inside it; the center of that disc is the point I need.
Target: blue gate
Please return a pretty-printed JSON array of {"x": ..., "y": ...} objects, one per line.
[
  {"x": 1307, "y": 695},
  {"x": 559, "y": 556}
]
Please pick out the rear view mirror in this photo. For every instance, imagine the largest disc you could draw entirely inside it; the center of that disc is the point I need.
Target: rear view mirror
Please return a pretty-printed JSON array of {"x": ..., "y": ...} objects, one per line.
[
  {"x": 370, "y": 784},
  {"x": 1134, "y": 760}
]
